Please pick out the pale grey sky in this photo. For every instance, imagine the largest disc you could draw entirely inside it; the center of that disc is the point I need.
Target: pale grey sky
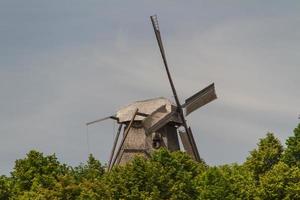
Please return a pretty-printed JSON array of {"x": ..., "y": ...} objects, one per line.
[{"x": 63, "y": 63}]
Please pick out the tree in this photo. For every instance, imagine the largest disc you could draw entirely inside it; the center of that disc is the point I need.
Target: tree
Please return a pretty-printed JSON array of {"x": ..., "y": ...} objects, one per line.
[
  {"x": 36, "y": 171},
  {"x": 291, "y": 154},
  {"x": 226, "y": 182},
  {"x": 266, "y": 174},
  {"x": 65, "y": 187},
  {"x": 43, "y": 177},
  {"x": 164, "y": 176},
  {"x": 93, "y": 170},
  {"x": 265, "y": 156},
  {"x": 97, "y": 190},
  {"x": 5, "y": 185},
  {"x": 89, "y": 178},
  {"x": 280, "y": 183}
]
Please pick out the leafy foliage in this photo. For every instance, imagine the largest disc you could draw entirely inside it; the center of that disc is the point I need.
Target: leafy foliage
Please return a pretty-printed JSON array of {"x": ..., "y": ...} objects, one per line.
[
  {"x": 36, "y": 171},
  {"x": 93, "y": 170},
  {"x": 282, "y": 182},
  {"x": 292, "y": 153},
  {"x": 269, "y": 172},
  {"x": 164, "y": 176},
  {"x": 226, "y": 182},
  {"x": 267, "y": 154},
  {"x": 4, "y": 187}
]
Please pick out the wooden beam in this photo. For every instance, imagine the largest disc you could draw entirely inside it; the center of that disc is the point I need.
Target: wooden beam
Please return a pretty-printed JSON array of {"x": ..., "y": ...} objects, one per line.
[
  {"x": 124, "y": 138},
  {"x": 114, "y": 146}
]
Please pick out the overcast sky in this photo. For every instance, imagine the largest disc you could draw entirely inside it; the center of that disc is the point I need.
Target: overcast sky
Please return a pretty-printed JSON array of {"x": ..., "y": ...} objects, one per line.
[{"x": 63, "y": 63}]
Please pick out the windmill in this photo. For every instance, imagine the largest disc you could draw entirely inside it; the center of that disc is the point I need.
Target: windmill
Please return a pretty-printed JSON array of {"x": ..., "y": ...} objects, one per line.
[{"x": 154, "y": 123}]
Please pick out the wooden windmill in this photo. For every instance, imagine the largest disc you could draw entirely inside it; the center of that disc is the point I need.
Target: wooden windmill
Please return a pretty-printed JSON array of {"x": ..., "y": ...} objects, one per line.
[{"x": 155, "y": 123}]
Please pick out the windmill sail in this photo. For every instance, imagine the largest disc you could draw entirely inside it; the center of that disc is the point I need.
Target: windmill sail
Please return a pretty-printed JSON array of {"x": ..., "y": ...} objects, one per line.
[
  {"x": 200, "y": 99},
  {"x": 191, "y": 105},
  {"x": 189, "y": 144}
]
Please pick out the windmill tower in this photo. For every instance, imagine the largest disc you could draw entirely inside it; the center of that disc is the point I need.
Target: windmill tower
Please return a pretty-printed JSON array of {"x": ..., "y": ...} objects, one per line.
[{"x": 154, "y": 123}]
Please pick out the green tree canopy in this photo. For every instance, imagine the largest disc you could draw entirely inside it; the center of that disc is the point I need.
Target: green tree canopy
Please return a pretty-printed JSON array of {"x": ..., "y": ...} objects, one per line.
[
  {"x": 267, "y": 154},
  {"x": 5, "y": 192},
  {"x": 266, "y": 175},
  {"x": 89, "y": 171},
  {"x": 164, "y": 176},
  {"x": 292, "y": 152},
  {"x": 226, "y": 182},
  {"x": 280, "y": 183},
  {"x": 36, "y": 169}
]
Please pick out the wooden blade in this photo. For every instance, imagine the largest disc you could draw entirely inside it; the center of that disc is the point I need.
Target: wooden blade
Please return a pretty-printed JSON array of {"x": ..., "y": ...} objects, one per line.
[
  {"x": 157, "y": 119},
  {"x": 102, "y": 119},
  {"x": 114, "y": 146},
  {"x": 200, "y": 99},
  {"x": 163, "y": 55},
  {"x": 189, "y": 144},
  {"x": 186, "y": 144},
  {"x": 162, "y": 51}
]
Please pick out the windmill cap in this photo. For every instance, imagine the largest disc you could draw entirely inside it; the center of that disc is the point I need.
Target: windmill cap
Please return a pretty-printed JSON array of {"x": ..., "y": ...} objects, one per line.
[{"x": 146, "y": 107}]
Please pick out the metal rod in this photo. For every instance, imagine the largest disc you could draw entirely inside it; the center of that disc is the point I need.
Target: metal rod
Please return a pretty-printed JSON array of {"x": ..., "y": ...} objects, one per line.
[
  {"x": 124, "y": 138},
  {"x": 162, "y": 51},
  {"x": 114, "y": 146}
]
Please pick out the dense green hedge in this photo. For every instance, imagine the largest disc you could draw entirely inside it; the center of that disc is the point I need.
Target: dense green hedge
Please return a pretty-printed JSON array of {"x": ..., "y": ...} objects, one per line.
[{"x": 269, "y": 172}]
